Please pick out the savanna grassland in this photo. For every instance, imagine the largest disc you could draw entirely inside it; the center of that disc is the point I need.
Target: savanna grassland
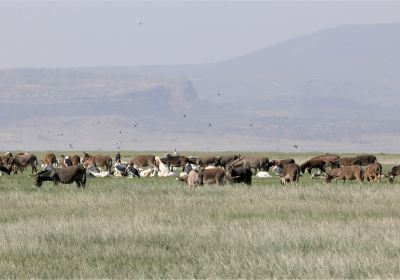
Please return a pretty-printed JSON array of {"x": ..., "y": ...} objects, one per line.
[{"x": 159, "y": 228}]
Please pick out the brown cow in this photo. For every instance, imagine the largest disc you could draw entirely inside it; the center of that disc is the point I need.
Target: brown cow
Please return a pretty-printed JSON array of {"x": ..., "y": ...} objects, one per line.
[
  {"x": 373, "y": 172},
  {"x": 259, "y": 163},
  {"x": 393, "y": 173},
  {"x": 175, "y": 161},
  {"x": 21, "y": 161},
  {"x": 290, "y": 173},
  {"x": 346, "y": 161},
  {"x": 49, "y": 159},
  {"x": 327, "y": 158},
  {"x": 366, "y": 159},
  {"x": 207, "y": 160},
  {"x": 215, "y": 175},
  {"x": 311, "y": 164},
  {"x": 354, "y": 172},
  {"x": 99, "y": 160},
  {"x": 281, "y": 162},
  {"x": 226, "y": 160},
  {"x": 76, "y": 160},
  {"x": 141, "y": 161}
]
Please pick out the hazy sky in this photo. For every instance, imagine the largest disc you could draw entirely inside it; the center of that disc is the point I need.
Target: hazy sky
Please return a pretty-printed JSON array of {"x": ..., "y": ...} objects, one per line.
[{"x": 91, "y": 33}]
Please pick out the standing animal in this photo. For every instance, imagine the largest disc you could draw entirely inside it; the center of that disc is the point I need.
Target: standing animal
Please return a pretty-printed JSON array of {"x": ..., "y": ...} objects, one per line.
[
  {"x": 354, "y": 172},
  {"x": 239, "y": 174},
  {"x": 49, "y": 159},
  {"x": 281, "y": 162},
  {"x": 290, "y": 174},
  {"x": 327, "y": 158},
  {"x": 393, "y": 173},
  {"x": 207, "y": 161},
  {"x": 373, "y": 172},
  {"x": 21, "y": 161},
  {"x": 345, "y": 161},
  {"x": 175, "y": 161},
  {"x": 215, "y": 175},
  {"x": 226, "y": 160},
  {"x": 258, "y": 163},
  {"x": 312, "y": 164},
  {"x": 141, "y": 161},
  {"x": 99, "y": 160},
  {"x": 366, "y": 159},
  {"x": 66, "y": 175}
]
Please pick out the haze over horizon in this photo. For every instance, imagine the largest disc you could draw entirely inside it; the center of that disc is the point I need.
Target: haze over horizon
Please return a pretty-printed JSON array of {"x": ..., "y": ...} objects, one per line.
[{"x": 88, "y": 34}]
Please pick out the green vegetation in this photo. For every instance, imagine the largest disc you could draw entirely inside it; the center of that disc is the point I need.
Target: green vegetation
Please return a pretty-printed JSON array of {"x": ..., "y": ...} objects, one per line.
[{"x": 159, "y": 228}]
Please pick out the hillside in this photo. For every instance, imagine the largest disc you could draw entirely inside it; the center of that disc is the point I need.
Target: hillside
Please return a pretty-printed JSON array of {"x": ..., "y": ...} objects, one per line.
[{"x": 335, "y": 89}]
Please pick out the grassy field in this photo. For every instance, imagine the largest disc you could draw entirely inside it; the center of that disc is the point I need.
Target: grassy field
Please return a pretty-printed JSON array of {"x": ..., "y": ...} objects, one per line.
[{"x": 159, "y": 228}]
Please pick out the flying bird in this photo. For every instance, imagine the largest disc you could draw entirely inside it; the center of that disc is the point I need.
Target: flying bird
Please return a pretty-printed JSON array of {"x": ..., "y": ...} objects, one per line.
[
  {"x": 295, "y": 146},
  {"x": 135, "y": 125},
  {"x": 251, "y": 124},
  {"x": 209, "y": 124},
  {"x": 120, "y": 132},
  {"x": 70, "y": 146},
  {"x": 184, "y": 116}
]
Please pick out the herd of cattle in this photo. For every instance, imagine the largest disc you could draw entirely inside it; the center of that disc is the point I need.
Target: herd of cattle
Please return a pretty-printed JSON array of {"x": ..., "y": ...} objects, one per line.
[{"x": 200, "y": 170}]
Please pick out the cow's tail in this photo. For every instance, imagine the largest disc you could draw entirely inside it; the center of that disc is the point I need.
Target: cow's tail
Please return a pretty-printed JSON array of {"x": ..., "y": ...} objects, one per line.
[{"x": 35, "y": 161}]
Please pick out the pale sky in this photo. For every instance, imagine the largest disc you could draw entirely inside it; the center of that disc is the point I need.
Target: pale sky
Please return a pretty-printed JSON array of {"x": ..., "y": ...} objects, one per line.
[{"x": 93, "y": 33}]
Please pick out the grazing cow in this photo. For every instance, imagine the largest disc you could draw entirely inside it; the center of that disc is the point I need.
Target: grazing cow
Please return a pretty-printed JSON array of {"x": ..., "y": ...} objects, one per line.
[
  {"x": 66, "y": 175},
  {"x": 215, "y": 175},
  {"x": 175, "y": 161},
  {"x": 393, "y": 173},
  {"x": 21, "y": 161},
  {"x": 207, "y": 161},
  {"x": 354, "y": 172},
  {"x": 5, "y": 169},
  {"x": 239, "y": 174},
  {"x": 290, "y": 174},
  {"x": 313, "y": 164},
  {"x": 373, "y": 172},
  {"x": 345, "y": 161},
  {"x": 226, "y": 160},
  {"x": 49, "y": 159},
  {"x": 99, "y": 160},
  {"x": 366, "y": 159},
  {"x": 141, "y": 161},
  {"x": 258, "y": 163},
  {"x": 281, "y": 162}
]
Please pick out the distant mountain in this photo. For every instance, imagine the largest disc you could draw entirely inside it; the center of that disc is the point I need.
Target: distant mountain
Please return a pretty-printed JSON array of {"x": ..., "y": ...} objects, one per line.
[{"x": 336, "y": 89}]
